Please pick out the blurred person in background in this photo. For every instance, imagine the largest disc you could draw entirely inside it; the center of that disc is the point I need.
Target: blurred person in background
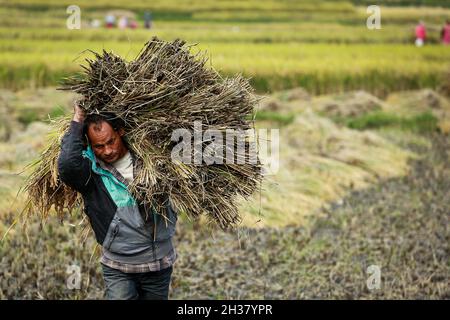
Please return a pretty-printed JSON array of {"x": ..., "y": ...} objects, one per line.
[
  {"x": 95, "y": 23},
  {"x": 147, "y": 20},
  {"x": 132, "y": 24},
  {"x": 123, "y": 22},
  {"x": 110, "y": 20},
  {"x": 445, "y": 33},
  {"x": 421, "y": 34}
]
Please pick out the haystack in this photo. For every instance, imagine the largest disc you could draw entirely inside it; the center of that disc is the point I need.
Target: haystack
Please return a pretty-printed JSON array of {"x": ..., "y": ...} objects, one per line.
[
  {"x": 348, "y": 104},
  {"x": 165, "y": 88}
]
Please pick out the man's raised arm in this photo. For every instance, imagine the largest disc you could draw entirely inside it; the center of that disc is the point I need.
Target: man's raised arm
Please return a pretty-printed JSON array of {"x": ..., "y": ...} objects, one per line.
[{"x": 74, "y": 170}]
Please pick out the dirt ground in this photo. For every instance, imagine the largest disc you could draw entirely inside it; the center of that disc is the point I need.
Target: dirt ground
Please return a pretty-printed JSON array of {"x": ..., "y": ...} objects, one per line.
[{"x": 400, "y": 225}]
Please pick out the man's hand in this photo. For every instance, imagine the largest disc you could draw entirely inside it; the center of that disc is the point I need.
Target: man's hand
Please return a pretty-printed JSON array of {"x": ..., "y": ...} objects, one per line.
[{"x": 78, "y": 113}]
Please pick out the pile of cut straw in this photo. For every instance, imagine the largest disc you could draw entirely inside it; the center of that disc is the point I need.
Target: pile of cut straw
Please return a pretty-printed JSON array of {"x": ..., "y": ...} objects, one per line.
[{"x": 165, "y": 88}]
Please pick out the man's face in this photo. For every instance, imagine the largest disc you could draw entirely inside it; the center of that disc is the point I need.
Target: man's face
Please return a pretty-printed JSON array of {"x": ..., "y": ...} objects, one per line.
[{"x": 106, "y": 143}]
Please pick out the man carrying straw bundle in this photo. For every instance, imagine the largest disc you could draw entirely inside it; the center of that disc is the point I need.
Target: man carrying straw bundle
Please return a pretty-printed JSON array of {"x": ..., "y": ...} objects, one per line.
[
  {"x": 116, "y": 159},
  {"x": 138, "y": 253}
]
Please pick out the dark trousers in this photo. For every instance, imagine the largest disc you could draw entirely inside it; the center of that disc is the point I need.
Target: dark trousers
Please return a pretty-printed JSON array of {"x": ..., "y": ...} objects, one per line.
[{"x": 136, "y": 286}]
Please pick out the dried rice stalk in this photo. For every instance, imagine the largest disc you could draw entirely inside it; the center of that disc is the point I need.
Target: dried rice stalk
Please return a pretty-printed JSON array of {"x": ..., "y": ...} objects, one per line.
[{"x": 163, "y": 89}]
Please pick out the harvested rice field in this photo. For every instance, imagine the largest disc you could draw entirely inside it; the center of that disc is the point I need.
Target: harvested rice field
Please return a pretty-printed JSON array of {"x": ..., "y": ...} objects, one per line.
[
  {"x": 357, "y": 205},
  {"x": 327, "y": 257}
]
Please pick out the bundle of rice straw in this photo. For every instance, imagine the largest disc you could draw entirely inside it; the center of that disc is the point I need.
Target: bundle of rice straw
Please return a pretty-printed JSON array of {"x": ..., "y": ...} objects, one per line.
[{"x": 163, "y": 89}]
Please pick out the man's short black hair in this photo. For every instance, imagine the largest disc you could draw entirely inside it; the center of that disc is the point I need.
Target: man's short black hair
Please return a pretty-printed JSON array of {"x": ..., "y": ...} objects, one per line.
[{"x": 115, "y": 122}]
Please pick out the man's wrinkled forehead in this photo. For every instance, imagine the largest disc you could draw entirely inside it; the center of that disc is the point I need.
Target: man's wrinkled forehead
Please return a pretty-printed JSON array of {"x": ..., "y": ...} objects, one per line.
[{"x": 101, "y": 133}]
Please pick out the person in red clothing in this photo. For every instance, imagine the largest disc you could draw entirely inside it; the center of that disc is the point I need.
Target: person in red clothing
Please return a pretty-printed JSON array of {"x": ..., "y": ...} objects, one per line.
[
  {"x": 445, "y": 33},
  {"x": 421, "y": 34}
]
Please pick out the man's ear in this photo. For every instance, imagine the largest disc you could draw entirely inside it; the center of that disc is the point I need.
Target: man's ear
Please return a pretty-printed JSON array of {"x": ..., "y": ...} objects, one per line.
[{"x": 121, "y": 132}]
